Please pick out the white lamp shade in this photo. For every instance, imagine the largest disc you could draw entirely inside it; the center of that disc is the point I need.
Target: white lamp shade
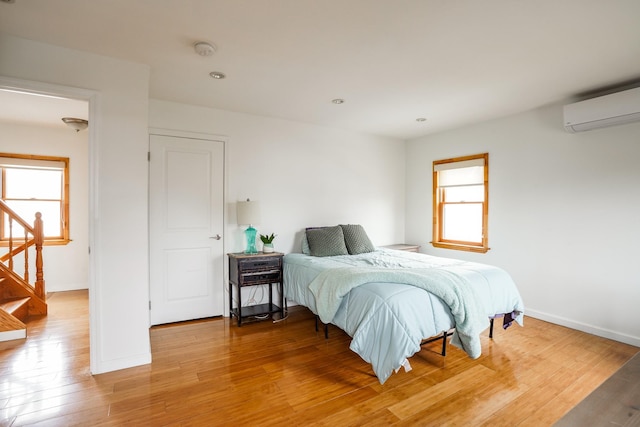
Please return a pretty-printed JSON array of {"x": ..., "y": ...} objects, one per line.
[{"x": 248, "y": 213}]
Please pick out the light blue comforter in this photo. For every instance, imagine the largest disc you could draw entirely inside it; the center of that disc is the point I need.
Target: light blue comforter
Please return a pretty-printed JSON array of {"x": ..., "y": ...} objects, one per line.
[
  {"x": 331, "y": 286},
  {"x": 368, "y": 297}
]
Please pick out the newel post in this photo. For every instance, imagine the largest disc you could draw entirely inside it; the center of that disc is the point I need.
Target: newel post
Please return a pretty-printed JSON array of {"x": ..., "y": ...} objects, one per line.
[{"x": 39, "y": 238}]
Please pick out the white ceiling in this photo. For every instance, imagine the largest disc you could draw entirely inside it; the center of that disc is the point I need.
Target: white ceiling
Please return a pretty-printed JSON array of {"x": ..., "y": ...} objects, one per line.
[{"x": 454, "y": 62}]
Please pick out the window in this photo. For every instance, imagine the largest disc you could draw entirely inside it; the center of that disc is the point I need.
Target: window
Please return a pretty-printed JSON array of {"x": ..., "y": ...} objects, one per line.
[
  {"x": 33, "y": 184},
  {"x": 460, "y": 203}
]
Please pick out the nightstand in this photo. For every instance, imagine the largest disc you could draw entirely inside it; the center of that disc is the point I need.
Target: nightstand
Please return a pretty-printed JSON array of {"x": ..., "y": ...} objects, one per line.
[
  {"x": 404, "y": 247},
  {"x": 252, "y": 270}
]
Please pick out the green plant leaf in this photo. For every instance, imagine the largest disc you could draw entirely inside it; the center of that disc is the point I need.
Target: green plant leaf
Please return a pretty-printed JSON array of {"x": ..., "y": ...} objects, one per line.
[{"x": 266, "y": 238}]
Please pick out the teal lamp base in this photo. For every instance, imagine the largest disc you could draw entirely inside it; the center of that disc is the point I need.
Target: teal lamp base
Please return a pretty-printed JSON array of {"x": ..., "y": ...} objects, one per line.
[{"x": 251, "y": 240}]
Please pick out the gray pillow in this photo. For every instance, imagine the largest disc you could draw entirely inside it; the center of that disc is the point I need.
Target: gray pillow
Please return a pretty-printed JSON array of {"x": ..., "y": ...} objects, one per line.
[
  {"x": 356, "y": 239},
  {"x": 305, "y": 244},
  {"x": 326, "y": 241}
]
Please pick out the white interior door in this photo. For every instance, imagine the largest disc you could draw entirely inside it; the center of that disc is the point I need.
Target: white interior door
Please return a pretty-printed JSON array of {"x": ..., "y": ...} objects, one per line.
[{"x": 186, "y": 192}]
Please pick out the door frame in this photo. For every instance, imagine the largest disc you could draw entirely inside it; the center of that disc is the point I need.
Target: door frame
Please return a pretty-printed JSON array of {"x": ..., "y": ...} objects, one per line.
[
  {"x": 93, "y": 99},
  {"x": 208, "y": 137}
]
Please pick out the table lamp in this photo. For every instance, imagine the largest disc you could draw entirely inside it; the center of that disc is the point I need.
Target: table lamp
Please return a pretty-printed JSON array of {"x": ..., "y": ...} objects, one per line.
[{"x": 248, "y": 214}]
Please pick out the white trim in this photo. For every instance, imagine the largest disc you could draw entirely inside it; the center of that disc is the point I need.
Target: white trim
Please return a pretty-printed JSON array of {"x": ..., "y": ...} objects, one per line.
[
  {"x": 127, "y": 362},
  {"x": 93, "y": 98},
  {"x": 17, "y": 334},
  {"x": 583, "y": 327},
  {"x": 95, "y": 327},
  {"x": 40, "y": 88},
  {"x": 188, "y": 134}
]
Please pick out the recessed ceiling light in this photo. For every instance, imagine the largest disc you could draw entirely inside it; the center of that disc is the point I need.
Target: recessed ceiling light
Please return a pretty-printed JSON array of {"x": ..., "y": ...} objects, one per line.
[
  {"x": 204, "y": 48},
  {"x": 338, "y": 101},
  {"x": 217, "y": 75},
  {"x": 421, "y": 119}
]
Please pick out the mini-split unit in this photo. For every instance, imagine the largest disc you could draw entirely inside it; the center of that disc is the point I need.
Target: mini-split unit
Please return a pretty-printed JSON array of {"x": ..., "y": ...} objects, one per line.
[{"x": 608, "y": 110}]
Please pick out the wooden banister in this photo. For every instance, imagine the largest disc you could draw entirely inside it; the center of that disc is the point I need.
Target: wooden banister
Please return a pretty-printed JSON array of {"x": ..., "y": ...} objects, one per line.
[
  {"x": 15, "y": 251},
  {"x": 17, "y": 218},
  {"x": 37, "y": 238}
]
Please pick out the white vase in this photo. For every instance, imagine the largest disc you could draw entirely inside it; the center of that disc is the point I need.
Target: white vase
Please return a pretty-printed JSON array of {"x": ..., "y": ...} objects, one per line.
[{"x": 267, "y": 248}]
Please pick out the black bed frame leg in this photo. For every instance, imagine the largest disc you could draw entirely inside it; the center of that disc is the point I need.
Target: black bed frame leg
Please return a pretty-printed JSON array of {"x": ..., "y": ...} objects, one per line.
[
  {"x": 326, "y": 329},
  {"x": 444, "y": 343},
  {"x": 491, "y": 328}
]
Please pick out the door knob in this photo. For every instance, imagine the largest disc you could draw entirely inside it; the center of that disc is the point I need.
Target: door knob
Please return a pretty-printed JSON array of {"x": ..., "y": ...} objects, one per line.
[{"x": 217, "y": 237}]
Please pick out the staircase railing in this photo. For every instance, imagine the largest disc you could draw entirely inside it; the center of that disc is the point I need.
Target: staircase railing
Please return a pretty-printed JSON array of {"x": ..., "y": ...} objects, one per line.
[{"x": 20, "y": 243}]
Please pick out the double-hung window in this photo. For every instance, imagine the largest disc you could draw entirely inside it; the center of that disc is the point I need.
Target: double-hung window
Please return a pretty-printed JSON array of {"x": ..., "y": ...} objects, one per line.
[
  {"x": 32, "y": 183},
  {"x": 461, "y": 203}
]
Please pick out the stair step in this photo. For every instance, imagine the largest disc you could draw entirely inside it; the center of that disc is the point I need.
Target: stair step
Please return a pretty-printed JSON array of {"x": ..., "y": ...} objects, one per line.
[
  {"x": 15, "y": 286},
  {"x": 17, "y": 307},
  {"x": 11, "y": 328}
]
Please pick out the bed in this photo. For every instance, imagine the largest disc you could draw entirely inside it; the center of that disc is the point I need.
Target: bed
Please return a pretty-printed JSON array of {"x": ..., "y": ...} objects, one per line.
[{"x": 390, "y": 301}]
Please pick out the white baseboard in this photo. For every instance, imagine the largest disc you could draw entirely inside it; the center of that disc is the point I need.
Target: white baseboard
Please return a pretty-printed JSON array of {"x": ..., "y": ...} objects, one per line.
[
  {"x": 124, "y": 363},
  {"x": 579, "y": 326},
  {"x": 18, "y": 334},
  {"x": 67, "y": 287}
]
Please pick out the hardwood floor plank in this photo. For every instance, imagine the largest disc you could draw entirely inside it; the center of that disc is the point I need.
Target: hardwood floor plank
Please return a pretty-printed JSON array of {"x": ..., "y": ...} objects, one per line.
[
  {"x": 440, "y": 392},
  {"x": 210, "y": 372}
]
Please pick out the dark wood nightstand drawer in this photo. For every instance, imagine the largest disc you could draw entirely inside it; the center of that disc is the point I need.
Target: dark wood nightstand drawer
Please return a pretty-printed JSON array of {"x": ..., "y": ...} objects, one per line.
[
  {"x": 259, "y": 264},
  {"x": 260, "y": 277},
  {"x": 251, "y": 270}
]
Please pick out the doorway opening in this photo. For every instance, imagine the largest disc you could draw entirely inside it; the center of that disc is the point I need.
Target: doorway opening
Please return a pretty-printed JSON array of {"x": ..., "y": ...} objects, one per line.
[{"x": 31, "y": 121}]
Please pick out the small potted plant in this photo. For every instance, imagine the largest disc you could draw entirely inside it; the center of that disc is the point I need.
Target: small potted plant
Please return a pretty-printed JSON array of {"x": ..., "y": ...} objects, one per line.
[{"x": 267, "y": 242}]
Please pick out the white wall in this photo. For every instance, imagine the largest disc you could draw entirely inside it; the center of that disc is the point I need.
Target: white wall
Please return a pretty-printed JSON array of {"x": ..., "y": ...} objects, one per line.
[
  {"x": 118, "y": 137},
  {"x": 315, "y": 176},
  {"x": 66, "y": 267},
  {"x": 563, "y": 215},
  {"x": 303, "y": 175}
]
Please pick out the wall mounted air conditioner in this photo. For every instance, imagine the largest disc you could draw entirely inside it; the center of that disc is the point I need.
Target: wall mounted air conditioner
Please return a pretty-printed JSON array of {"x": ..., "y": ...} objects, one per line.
[{"x": 608, "y": 110}]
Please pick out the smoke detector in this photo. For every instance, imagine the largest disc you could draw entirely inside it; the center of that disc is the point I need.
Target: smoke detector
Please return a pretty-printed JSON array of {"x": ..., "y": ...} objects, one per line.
[{"x": 204, "y": 48}]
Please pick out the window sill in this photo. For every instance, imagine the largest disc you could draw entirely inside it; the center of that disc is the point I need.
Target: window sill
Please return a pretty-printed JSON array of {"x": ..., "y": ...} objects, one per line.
[
  {"x": 57, "y": 242},
  {"x": 47, "y": 242},
  {"x": 458, "y": 247}
]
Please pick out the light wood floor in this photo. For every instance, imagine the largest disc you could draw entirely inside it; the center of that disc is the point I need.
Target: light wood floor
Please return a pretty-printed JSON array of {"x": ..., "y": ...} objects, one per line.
[{"x": 210, "y": 373}]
